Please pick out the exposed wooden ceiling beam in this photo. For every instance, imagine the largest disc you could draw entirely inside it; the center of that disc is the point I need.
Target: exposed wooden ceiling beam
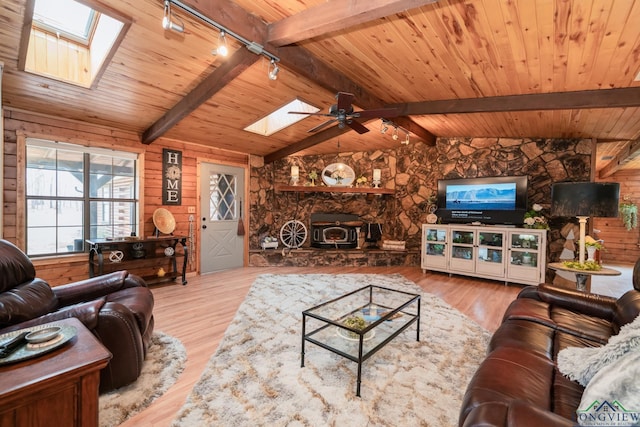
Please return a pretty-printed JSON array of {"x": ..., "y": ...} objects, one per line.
[
  {"x": 629, "y": 153},
  {"x": 310, "y": 141},
  {"x": 334, "y": 15},
  {"x": 223, "y": 75},
  {"x": 244, "y": 24},
  {"x": 302, "y": 62},
  {"x": 603, "y": 98}
]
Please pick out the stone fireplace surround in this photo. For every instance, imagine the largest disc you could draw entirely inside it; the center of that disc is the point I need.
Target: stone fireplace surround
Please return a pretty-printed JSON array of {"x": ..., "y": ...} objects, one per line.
[{"x": 412, "y": 172}]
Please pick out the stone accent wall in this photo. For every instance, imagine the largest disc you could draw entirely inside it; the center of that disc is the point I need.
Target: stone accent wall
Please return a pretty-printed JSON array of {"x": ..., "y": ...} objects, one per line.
[{"x": 413, "y": 172}]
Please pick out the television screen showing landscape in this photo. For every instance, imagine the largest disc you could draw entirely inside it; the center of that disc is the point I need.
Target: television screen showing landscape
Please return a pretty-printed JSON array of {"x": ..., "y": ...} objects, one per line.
[{"x": 481, "y": 196}]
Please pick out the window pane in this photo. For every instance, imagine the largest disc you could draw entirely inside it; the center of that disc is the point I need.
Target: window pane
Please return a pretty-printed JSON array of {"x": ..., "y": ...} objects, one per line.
[
  {"x": 41, "y": 213},
  {"x": 70, "y": 184},
  {"x": 100, "y": 213},
  {"x": 41, "y": 157},
  {"x": 100, "y": 186},
  {"x": 100, "y": 232},
  {"x": 123, "y": 187},
  {"x": 124, "y": 167},
  {"x": 101, "y": 164},
  {"x": 222, "y": 197},
  {"x": 70, "y": 213},
  {"x": 41, "y": 182},
  {"x": 70, "y": 161},
  {"x": 70, "y": 239},
  {"x": 41, "y": 240},
  {"x": 66, "y": 16}
]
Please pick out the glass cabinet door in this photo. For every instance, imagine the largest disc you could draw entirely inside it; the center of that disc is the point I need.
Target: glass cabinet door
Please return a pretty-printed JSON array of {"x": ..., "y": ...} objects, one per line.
[
  {"x": 462, "y": 251},
  {"x": 524, "y": 249},
  {"x": 490, "y": 246},
  {"x": 435, "y": 240}
]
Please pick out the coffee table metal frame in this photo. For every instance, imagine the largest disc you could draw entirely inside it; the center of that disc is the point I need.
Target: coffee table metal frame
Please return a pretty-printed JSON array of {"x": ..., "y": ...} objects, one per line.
[{"x": 395, "y": 317}]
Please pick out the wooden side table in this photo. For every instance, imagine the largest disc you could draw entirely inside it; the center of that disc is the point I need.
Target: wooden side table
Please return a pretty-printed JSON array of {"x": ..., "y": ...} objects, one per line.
[
  {"x": 582, "y": 275},
  {"x": 57, "y": 388}
]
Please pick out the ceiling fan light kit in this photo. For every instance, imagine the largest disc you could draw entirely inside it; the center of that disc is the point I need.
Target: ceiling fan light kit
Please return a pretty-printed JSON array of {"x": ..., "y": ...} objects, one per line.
[{"x": 343, "y": 114}]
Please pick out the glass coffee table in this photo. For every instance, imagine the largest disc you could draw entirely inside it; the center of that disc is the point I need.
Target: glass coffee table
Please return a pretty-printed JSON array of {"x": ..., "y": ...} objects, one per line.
[{"x": 358, "y": 324}]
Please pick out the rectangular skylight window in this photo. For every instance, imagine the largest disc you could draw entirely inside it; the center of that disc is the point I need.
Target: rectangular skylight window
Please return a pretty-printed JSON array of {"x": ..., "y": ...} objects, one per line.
[
  {"x": 67, "y": 18},
  {"x": 281, "y": 118}
]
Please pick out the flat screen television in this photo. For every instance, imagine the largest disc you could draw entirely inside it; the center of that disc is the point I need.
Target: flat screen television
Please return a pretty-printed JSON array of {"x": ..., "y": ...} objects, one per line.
[{"x": 488, "y": 200}]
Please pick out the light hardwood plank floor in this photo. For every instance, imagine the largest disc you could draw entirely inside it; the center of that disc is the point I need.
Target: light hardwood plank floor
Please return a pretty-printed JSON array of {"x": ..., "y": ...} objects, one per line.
[{"x": 199, "y": 313}]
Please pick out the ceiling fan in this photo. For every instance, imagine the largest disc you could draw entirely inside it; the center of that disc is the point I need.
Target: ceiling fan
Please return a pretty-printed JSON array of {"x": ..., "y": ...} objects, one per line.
[{"x": 342, "y": 112}]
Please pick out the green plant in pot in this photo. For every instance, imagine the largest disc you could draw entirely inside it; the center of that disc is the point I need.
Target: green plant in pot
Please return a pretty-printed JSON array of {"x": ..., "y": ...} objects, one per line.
[
  {"x": 354, "y": 322},
  {"x": 629, "y": 213}
]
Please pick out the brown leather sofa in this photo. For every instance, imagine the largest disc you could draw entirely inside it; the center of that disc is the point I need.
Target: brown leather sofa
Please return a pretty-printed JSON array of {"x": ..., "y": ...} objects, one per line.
[
  {"x": 117, "y": 308},
  {"x": 518, "y": 383}
]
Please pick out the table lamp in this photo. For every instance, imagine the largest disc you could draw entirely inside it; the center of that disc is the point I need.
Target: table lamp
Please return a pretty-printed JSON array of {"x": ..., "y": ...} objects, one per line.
[{"x": 582, "y": 200}]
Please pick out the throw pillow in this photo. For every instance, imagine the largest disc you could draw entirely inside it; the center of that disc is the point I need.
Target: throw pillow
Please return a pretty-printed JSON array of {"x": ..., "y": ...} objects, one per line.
[
  {"x": 612, "y": 397},
  {"x": 582, "y": 363}
]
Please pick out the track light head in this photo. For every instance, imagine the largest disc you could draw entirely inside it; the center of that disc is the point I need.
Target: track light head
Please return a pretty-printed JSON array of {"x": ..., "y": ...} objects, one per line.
[
  {"x": 383, "y": 127},
  {"x": 406, "y": 140},
  {"x": 167, "y": 19},
  {"x": 273, "y": 70},
  {"x": 222, "y": 49},
  {"x": 395, "y": 134}
]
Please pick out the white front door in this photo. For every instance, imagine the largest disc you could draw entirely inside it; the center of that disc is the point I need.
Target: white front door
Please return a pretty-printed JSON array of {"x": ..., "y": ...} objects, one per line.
[{"x": 222, "y": 246}]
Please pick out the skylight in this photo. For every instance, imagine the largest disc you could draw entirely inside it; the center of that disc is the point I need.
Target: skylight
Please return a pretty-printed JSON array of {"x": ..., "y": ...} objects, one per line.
[
  {"x": 66, "y": 18},
  {"x": 70, "y": 41},
  {"x": 281, "y": 118}
]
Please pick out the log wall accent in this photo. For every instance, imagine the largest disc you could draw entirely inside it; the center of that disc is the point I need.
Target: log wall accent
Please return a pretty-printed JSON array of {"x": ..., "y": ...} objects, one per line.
[
  {"x": 64, "y": 269},
  {"x": 413, "y": 171},
  {"x": 622, "y": 246}
]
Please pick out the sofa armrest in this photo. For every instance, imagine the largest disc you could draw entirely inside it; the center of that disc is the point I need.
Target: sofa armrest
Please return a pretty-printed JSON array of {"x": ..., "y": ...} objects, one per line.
[
  {"x": 600, "y": 306},
  {"x": 516, "y": 413},
  {"x": 86, "y": 312},
  {"x": 96, "y": 287}
]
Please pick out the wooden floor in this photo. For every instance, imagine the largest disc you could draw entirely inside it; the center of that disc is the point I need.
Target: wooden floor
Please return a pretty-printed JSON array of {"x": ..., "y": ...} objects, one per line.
[{"x": 198, "y": 315}]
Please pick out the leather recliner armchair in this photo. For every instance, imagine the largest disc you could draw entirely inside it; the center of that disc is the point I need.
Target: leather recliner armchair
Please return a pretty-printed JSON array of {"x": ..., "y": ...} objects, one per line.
[{"x": 117, "y": 308}]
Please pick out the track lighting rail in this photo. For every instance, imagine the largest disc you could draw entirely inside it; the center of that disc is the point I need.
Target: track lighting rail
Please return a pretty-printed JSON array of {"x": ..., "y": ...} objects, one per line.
[{"x": 252, "y": 46}]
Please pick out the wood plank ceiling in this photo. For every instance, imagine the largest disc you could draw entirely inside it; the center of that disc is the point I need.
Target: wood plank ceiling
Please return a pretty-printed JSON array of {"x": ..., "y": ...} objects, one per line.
[{"x": 457, "y": 68}]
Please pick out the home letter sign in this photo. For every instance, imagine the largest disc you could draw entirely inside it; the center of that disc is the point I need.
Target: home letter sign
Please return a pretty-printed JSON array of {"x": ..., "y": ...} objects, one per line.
[{"x": 171, "y": 177}]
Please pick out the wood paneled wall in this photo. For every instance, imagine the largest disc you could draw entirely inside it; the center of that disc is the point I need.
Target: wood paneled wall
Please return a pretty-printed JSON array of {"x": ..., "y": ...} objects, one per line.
[
  {"x": 622, "y": 246},
  {"x": 64, "y": 269}
]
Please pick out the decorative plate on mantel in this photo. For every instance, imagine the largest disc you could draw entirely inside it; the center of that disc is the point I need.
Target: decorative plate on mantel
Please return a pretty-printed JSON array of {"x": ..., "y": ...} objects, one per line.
[{"x": 338, "y": 175}]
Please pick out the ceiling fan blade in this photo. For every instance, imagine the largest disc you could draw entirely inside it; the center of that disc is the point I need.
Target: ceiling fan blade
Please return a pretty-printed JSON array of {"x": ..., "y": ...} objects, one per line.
[
  {"x": 344, "y": 100},
  {"x": 311, "y": 114},
  {"x": 383, "y": 113},
  {"x": 357, "y": 126},
  {"x": 322, "y": 125}
]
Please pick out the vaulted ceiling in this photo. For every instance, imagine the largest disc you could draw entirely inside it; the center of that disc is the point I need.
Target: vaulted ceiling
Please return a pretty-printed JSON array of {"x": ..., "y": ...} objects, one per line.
[{"x": 454, "y": 68}]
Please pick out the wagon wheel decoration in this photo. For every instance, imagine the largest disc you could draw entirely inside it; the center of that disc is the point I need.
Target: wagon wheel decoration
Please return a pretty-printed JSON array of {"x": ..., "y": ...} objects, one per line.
[{"x": 293, "y": 234}]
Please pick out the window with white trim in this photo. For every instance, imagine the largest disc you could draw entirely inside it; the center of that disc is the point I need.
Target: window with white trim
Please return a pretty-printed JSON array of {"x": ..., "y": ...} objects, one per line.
[{"x": 75, "y": 193}]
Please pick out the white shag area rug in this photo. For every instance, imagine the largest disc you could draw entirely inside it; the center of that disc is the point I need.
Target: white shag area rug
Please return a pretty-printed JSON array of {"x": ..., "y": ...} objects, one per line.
[
  {"x": 166, "y": 357},
  {"x": 255, "y": 378}
]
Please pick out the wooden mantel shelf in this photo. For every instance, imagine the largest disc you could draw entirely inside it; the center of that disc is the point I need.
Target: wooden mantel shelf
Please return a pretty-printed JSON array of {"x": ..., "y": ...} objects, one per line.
[{"x": 325, "y": 189}]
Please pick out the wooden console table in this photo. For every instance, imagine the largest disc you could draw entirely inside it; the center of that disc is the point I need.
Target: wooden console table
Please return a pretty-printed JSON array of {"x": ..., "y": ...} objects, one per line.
[
  {"x": 57, "y": 388},
  {"x": 143, "y": 256}
]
